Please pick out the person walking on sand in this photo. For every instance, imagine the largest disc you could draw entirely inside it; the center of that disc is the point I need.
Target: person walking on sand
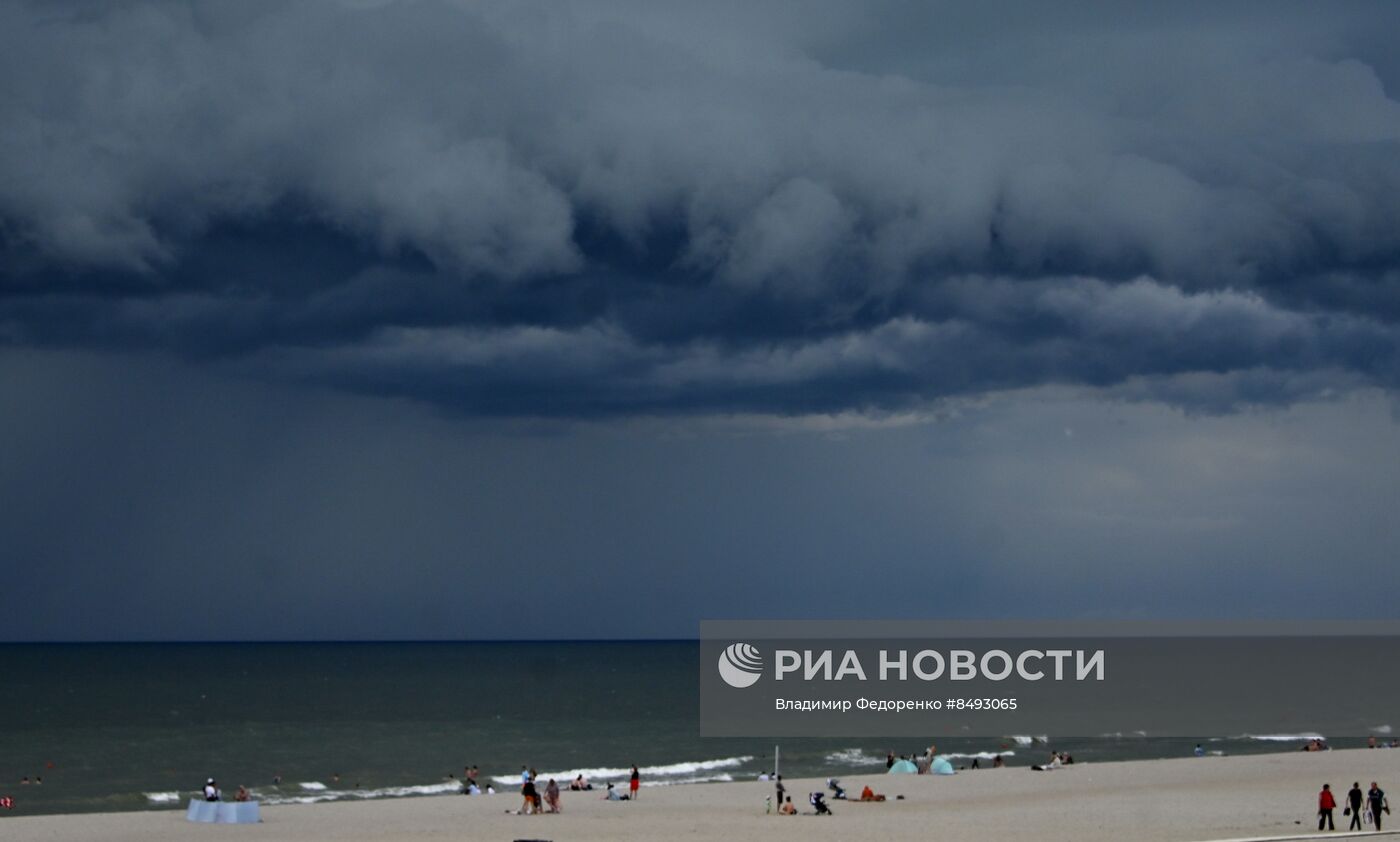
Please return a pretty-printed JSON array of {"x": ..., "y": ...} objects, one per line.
[
  {"x": 1354, "y": 799},
  {"x": 1325, "y": 805},
  {"x": 635, "y": 784},
  {"x": 1375, "y": 799},
  {"x": 781, "y": 790}
]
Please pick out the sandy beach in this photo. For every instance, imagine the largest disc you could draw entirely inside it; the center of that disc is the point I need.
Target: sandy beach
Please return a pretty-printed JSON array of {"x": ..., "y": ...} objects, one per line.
[{"x": 1179, "y": 799}]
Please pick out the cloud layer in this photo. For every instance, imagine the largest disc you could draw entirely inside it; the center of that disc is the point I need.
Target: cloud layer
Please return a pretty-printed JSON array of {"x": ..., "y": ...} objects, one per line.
[{"x": 588, "y": 210}]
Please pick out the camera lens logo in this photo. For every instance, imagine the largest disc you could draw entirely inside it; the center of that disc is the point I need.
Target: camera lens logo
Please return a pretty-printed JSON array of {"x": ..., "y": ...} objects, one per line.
[{"x": 740, "y": 665}]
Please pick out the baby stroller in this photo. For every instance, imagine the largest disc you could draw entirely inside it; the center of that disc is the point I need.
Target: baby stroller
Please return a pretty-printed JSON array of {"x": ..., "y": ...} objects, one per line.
[
  {"x": 818, "y": 801},
  {"x": 838, "y": 793}
]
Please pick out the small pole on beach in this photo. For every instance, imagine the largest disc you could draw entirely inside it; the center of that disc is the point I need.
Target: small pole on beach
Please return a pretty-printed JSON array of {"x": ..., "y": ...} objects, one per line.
[{"x": 776, "y": 765}]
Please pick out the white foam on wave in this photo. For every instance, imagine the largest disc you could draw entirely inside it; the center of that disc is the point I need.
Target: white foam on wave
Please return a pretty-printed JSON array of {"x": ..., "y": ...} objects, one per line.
[
  {"x": 1025, "y": 739},
  {"x": 610, "y": 773},
  {"x": 1283, "y": 738},
  {"x": 323, "y": 794},
  {"x": 1125, "y": 735},
  {"x": 722, "y": 777},
  {"x": 854, "y": 757},
  {"x": 1381, "y": 729},
  {"x": 980, "y": 755},
  {"x": 313, "y": 786},
  {"x": 162, "y": 797}
]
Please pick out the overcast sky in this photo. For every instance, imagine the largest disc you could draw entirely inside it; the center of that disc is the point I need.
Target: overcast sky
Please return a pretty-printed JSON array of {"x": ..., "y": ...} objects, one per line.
[{"x": 439, "y": 320}]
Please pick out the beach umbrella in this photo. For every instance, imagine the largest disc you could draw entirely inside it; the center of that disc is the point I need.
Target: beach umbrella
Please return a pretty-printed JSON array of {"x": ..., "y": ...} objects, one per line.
[
  {"x": 941, "y": 766},
  {"x": 904, "y": 767}
]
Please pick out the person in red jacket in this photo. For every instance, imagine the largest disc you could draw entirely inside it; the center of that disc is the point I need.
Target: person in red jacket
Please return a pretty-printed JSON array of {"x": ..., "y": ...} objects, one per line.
[{"x": 1325, "y": 805}]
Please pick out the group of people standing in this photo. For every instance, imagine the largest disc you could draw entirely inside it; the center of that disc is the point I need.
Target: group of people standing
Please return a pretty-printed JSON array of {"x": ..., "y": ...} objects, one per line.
[
  {"x": 535, "y": 802},
  {"x": 1373, "y": 799}
]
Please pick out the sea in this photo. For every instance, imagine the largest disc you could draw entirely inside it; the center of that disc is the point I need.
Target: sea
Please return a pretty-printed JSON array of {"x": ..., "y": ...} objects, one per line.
[{"x": 114, "y": 727}]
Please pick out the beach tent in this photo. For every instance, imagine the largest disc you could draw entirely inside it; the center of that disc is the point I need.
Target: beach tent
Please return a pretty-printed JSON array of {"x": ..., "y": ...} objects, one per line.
[
  {"x": 941, "y": 766},
  {"x": 223, "y": 812},
  {"x": 904, "y": 767}
]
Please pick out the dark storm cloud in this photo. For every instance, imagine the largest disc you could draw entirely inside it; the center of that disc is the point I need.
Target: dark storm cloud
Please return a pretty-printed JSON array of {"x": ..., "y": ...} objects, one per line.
[{"x": 589, "y": 210}]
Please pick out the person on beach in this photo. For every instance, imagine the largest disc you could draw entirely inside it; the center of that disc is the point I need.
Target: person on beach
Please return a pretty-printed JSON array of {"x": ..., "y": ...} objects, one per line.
[
  {"x": 1200, "y": 751},
  {"x": 1375, "y": 800},
  {"x": 524, "y": 775},
  {"x": 889, "y": 760},
  {"x": 1353, "y": 809},
  {"x": 997, "y": 762},
  {"x": 613, "y": 795},
  {"x": 211, "y": 790},
  {"x": 634, "y": 785},
  {"x": 1054, "y": 764},
  {"x": 242, "y": 794},
  {"x": 781, "y": 790},
  {"x": 1325, "y": 805},
  {"x": 551, "y": 796},
  {"x": 787, "y": 809},
  {"x": 530, "y": 797}
]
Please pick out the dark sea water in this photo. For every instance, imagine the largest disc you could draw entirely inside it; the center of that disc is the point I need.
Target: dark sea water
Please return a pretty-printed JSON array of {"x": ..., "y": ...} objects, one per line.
[{"x": 140, "y": 726}]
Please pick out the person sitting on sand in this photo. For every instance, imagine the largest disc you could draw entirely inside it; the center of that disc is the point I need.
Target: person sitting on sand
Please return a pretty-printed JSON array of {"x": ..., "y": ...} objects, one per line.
[
  {"x": 787, "y": 809},
  {"x": 869, "y": 794},
  {"x": 580, "y": 784},
  {"x": 613, "y": 795},
  {"x": 997, "y": 762},
  {"x": 551, "y": 796},
  {"x": 242, "y": 794}
]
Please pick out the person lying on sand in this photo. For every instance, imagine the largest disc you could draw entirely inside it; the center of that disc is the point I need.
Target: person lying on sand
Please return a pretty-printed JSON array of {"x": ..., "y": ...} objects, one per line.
[
  {"x": 1055, "y": 763},
  {"x": 869, "y": 794}
]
